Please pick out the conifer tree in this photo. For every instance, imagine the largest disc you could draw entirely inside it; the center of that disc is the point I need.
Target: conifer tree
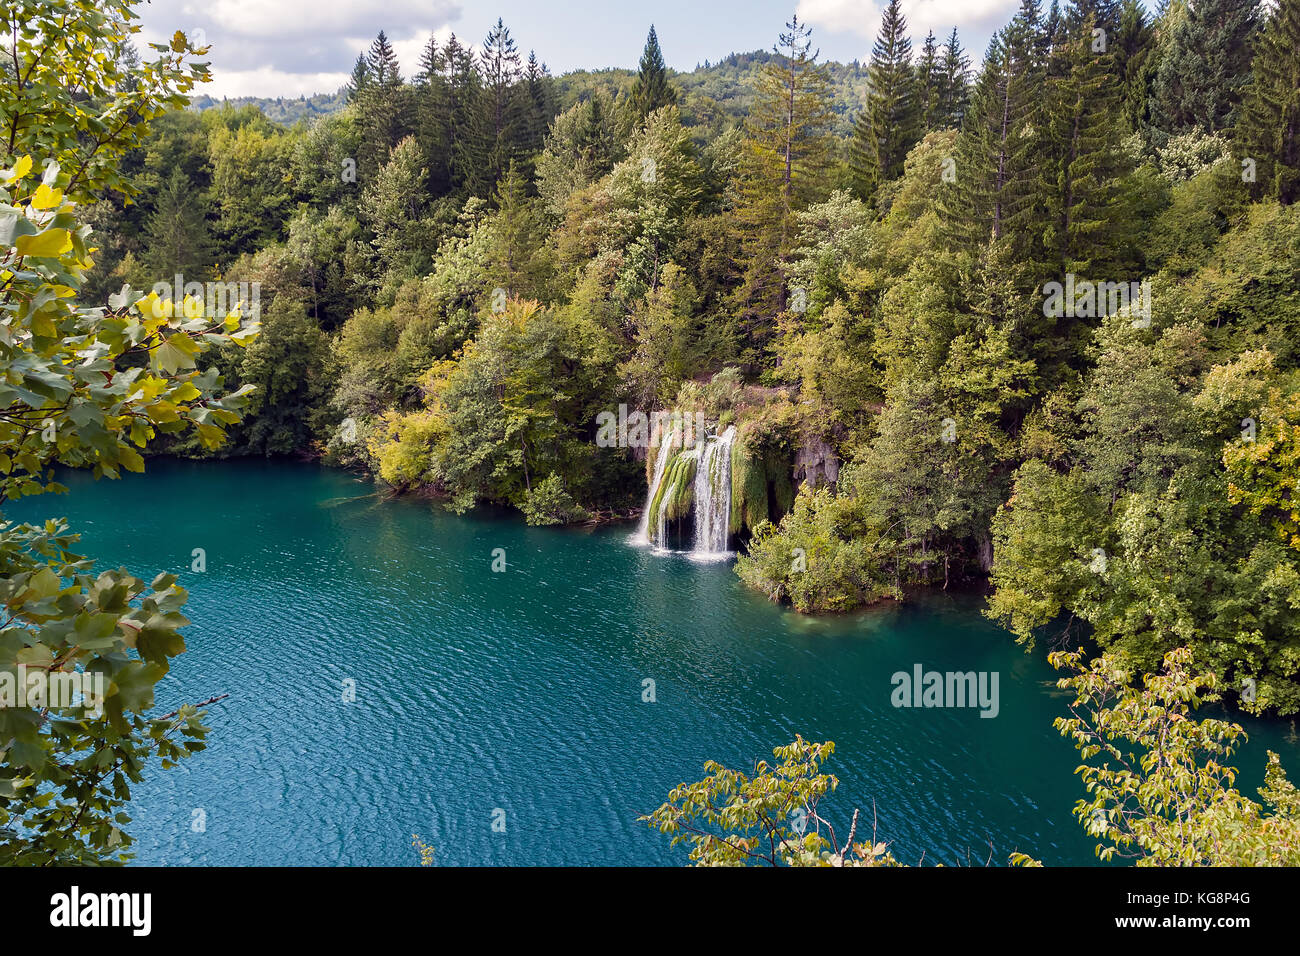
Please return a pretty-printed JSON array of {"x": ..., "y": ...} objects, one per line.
[
  {"x": 1137, "y": 64},
  {"x": 785, "y": 159},
  {"x": 177, "y": 238},
  {"x": 996, "y": 188},
  {"x": 1269, "y": 132},
  {"x": 651, "y": 88},
  {"x": 1085, "y": 165},
  {"x": 359, "y": 79},
  {"x": 888, "y": 126},
  {"x": 1202, "y": 78},
  {"x": 929, "y": 85},
  {"x": 954, "y": 86},
  {"x": 500, "y": 113},
  {"x": 385, "y": 106}
]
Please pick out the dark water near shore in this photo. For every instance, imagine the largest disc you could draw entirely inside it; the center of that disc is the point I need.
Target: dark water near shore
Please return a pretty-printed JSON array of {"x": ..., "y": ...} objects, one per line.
[{"x": 522, "y": 691}]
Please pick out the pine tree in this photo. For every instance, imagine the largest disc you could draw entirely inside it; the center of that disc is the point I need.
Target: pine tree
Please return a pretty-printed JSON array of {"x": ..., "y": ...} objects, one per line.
[
  {"x": 888, "y": 127},
  {"x": 1201, "y": 80},
  {"x": 360, "y": 78},
  {"x": 176, "y": 234},
  {"x": 385, "y": 107},
  {"x": 651, "y": 89},
  {"x": 954, "y": 89},
  {"x": 1269, "y": 132},
  {"x": 929, "y": 85},
  {"x": 500, "y": 113},
  {"x": 785, "y": 160}
]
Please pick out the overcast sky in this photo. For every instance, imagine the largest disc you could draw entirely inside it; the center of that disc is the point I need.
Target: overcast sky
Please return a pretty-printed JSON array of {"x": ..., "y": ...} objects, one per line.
[{"x": 293, "y": 47}]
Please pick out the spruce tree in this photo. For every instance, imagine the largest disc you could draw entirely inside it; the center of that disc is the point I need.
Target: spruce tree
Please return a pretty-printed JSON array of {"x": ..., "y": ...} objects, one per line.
[
  {"x": 1137, "y": 64},
  {"x": 996, "y": 190},
  {"x": 385, "y": 113},
  {"x": 1269, "y": 132},
  {"x": 177, "y": 239},
  {"x": 432, "y": 128},
  {"x": 929, "y": 85},
  {"x": 651, "y": 89},
  {"x": 500, "y": 105},
  {"x": 954, "y": 86},
  {"x": 359, "y": 79},
  {"x": 786, "y": 156},
  {"x": 1083, "y": 163},
  {"x": 888, "y": 127},
  {"x": 1201, "y": 81}
]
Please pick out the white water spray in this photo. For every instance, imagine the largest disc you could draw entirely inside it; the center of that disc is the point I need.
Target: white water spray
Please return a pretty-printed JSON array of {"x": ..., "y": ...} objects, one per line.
[{"x": 713, "y": 495}]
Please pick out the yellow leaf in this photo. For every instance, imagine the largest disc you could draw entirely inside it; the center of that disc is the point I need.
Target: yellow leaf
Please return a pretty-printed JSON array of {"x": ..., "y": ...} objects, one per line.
[
  {"x": 21, "y": 168},
  {"x": 45, "y": 245},
  {"x": 47, "y": 198}
]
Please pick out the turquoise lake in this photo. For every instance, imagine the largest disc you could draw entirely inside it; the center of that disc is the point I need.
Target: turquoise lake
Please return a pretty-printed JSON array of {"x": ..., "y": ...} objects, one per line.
[{"x": 521, "y": 690}]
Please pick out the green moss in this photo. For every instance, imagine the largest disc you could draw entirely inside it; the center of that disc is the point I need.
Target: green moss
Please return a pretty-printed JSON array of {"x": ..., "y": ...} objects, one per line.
[
  {"x": 748, "y": 489},
  {"x": 783, "y": 490},
  {"x": 676, "y": 491}
]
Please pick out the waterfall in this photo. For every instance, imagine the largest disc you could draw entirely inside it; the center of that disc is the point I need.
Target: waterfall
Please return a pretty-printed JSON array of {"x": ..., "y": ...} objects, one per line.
[
  {"x": 713, "y": 495},
  {"x": 642, "y": 535}
]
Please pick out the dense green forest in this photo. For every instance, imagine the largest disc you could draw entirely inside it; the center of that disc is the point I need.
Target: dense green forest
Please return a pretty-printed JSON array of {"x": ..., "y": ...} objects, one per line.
[
  {"x": 465, "y": 266},
  {"x": 1027, "y": 322}
]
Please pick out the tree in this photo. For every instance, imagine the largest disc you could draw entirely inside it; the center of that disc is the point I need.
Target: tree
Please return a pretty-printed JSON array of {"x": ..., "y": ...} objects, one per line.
[
  {"x": 770, "y": 819},
  {"x": 290, "y": 367},
  {"x": 1161, "y": 793},
  {"x": 500, "y": 113},
  {"x": 359, "y": 80},
  {"x": 384, "y": 107},
  {"x": 1269, "y": 131},
  {"x": 86, "y": 127},
  {"x": 890, "y": 124},
  {"x": 1205, "y": 72},
  {"x": 177, "y": 240},
  {"x": 995, "y": 189},
  {"x": 85, "y": 388},
  {"x": 785, "y": 160},
  {"x": 651, "y": 89},
  {"x": 954, "y": 88},
  {"x": 929, "y": 85}
]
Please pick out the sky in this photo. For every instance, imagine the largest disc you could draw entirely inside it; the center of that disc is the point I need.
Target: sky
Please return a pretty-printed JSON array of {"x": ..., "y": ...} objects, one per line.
[{"x": 300, "y": 47}]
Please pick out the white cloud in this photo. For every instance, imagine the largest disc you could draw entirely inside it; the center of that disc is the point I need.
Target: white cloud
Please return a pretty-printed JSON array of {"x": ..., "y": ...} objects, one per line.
[
  {"x": 295, "y": 46},
  {"x": 268, "y": 82},
  {"x": 862, "y": 17}
]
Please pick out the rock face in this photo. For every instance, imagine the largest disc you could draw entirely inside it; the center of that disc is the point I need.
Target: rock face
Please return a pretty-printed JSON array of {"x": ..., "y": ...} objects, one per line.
[{"x": 816, "y": 464}]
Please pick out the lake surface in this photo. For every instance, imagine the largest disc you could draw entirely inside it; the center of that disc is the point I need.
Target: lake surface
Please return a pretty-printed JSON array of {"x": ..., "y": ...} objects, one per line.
[{"x": 521, "y": 691}]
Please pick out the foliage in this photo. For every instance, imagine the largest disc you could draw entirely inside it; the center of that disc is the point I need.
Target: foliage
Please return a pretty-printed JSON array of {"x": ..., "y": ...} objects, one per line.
[
  {"x": 1160, "y": 790},
  {"x": 770, "y": 819}
]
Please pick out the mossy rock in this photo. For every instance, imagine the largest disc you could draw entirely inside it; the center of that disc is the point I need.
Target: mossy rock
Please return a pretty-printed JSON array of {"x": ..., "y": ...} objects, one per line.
[
  {"x": 748, "y": 489},
  {"x": 676, "y": 492}
]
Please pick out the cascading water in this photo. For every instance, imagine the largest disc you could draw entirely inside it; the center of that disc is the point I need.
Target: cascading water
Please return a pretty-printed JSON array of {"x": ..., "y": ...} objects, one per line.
[
  {"x": 661, "y": 461},
  {"x": 713, "y": 495}
]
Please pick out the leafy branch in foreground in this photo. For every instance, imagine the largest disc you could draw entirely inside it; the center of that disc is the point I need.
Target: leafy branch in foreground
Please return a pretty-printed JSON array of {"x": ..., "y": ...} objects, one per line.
[
  {"x": 770, "y": 819},
  {"x": 1161, "y": 791},
  {"x": 85, "y": 388}
]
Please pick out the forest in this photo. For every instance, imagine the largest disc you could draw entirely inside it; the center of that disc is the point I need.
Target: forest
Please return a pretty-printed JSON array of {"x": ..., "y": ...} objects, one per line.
[
  {"x": 471, "y": 260},
  {"x": 1023, "y": 325}
]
